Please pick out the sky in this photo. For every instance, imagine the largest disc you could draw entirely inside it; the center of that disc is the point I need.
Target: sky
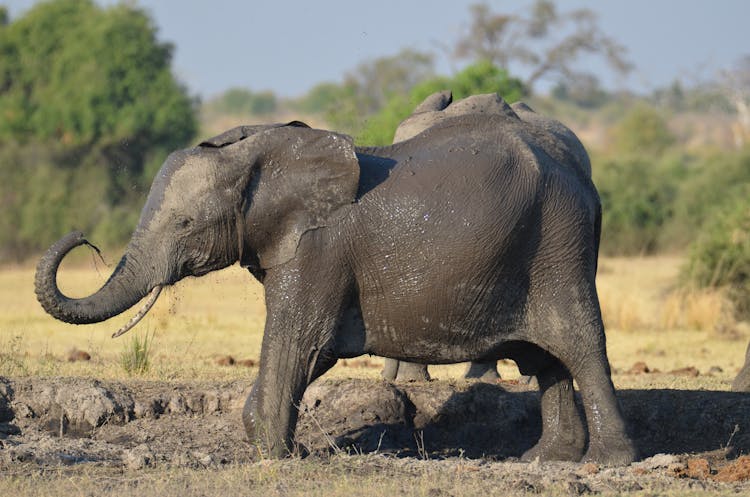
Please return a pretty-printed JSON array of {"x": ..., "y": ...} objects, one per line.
[{"x": 288, "y": 46}]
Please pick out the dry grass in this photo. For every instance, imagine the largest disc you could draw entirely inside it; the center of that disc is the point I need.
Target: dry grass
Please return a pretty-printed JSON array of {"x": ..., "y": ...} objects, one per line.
[{"x": 200, "y": 321}]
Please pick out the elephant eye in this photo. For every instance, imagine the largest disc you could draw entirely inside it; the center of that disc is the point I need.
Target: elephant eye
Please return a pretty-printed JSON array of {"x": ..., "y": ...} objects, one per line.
[{"x": 184, "y": 222}]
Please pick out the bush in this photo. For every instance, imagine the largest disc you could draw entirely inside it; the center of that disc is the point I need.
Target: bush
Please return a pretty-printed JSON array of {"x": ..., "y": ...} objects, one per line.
[
  {"x": 643, "y": 130},
  {"x": 482, "y": 77},
  {"x": 720, "y": 257},
  {"x": 637, "y": 197}
]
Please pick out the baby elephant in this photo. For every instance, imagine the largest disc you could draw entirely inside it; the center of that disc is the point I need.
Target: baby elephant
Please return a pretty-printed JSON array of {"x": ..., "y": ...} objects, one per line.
[{"x": 474, "y": 240}]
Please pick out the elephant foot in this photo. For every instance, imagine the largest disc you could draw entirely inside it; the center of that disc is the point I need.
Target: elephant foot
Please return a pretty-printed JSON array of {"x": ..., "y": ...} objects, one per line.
[
  {"x": 557, "y": 448},
  {"x": 615, "y": 452},
  {"x": 260, "y": 434},
  {"x": 404, "y": 372},
  {"x": 483, "y": 371}
]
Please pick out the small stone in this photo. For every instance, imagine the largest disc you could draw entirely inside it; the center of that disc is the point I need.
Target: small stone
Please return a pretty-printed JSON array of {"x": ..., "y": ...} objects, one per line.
[
  {"x": 226, "y": 360},
  {"x": 639, "y": 367},
  {"x": 698, "y": 468},
  {"x": 75, "y": 355},
  {"x": 138, "y": 457},
  {"x": 687, "y": 371},
  {"x": 588, "y": 469},
  {"x": 657, "y": 461},
  {"x": 204, "y": 459},
  {"x": 578, "y": 488}
]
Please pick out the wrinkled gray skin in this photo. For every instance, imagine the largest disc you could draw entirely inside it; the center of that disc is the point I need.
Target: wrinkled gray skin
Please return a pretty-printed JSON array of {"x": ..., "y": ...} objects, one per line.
[
  {"x": 425, "y": 115},
  {"x": 473, "y": 241},
  {"x": 742, "y": 382}
]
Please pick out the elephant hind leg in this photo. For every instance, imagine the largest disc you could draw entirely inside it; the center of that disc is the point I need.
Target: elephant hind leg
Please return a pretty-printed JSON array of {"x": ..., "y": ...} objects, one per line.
[
  {"x": 483, "y": 371},
  {"x": 563, "y": 434},
  {"x": 585, "y": 356},
  {"x": 403, "y": 372}
]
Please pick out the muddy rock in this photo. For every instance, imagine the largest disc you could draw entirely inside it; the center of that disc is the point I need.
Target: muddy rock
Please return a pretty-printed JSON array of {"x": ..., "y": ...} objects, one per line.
[
  {"x": 79, "y": 406},
  {"x": 138, "y": 457},
  {"x": 365, "y": 422}
]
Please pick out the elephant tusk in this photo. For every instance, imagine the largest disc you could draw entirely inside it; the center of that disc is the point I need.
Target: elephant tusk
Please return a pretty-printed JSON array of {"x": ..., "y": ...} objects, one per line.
[{"x": 142, "y": 312}]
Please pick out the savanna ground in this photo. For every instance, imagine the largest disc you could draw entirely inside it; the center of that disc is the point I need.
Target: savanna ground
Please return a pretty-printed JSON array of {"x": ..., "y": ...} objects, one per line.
[{"x": 85, "y": 427}]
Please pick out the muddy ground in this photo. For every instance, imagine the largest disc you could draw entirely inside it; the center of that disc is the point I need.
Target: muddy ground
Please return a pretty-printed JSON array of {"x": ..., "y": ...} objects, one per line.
[{"x": 694, "y": 439}]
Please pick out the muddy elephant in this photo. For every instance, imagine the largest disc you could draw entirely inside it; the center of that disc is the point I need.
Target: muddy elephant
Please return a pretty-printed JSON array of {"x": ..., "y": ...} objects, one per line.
[
  {"x": 425, "y": 115},
  {"x": 742, "y": 382},
  {"x": 473, "y": 241}
]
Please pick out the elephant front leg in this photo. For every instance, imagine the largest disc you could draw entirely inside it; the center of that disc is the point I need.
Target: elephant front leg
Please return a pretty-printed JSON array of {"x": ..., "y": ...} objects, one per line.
[
  {"x": 272, "y": 408},
  {"x": 297, "y": 348}
]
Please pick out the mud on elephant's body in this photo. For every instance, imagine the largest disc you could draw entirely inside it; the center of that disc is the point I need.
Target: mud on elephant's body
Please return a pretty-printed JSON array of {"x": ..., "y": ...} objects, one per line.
[
  {"x": 425, "y": 115},
  {"x": 475, "y": 240}
]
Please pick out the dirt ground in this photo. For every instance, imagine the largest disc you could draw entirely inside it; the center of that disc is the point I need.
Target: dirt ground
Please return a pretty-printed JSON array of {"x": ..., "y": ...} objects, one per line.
[{"x": 689, "y": 440}]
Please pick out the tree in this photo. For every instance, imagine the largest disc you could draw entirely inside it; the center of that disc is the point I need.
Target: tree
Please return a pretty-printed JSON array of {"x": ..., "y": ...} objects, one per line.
[
  {"x": 544, "y": 43},
  {"x": 737, "y": 89},
  {"x": 89, "y": 108},
  {"x": 642, "y": 130},
  {"x": 237, "y": 101},
  {"x": 482, "y": 77},
  {"x": 368, "y": 89},
  {"x": 83, "y": 75}
]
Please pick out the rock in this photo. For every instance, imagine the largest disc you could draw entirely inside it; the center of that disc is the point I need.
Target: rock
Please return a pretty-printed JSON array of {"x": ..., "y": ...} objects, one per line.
[
  {"x": 687, "y": 371},
  {"x": 75, "y": 355},
  {"x": 138, "y": 457},
  {"x": 226, "y": 360},
  {"x": 639, "y": 367},
  {"x": 84, "y": 404},
  {"x": 657, "y": 461}
]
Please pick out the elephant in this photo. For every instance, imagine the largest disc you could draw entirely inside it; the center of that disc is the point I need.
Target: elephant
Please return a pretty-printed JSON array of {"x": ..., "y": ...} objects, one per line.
[
  {"x": 425, "y": 115},
  {"x": 742, "y": 382},
  {"x": 474, "y": 240}
]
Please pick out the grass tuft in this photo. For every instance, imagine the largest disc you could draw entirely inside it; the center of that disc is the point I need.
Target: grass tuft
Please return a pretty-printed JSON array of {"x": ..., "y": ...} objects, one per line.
[{"x": 135, "y": 358}]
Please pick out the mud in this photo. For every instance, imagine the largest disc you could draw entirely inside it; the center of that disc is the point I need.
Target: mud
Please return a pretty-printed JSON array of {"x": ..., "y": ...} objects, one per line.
[{"x": 697, "y": 436}]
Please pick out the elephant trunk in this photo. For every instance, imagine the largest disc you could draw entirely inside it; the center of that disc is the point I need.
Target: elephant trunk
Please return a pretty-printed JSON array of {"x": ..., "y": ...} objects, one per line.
[{"x": 126, "y": 286}]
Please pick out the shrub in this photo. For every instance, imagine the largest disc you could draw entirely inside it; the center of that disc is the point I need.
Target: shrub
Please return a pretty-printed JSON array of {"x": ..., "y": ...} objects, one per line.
[
  {"x": 637, "y": 198},
  {"x": 720, "y": 256}
]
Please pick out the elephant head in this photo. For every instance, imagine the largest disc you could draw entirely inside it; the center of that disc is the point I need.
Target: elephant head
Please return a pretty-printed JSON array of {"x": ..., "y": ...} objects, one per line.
[{"x": 246, "y": 195}]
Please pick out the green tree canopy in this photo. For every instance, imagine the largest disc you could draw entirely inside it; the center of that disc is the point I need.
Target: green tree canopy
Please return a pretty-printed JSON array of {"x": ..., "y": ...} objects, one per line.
[
  {"x": 481, "y": 77},
  {"x": 89, "y": 108},
  {"x": 240, "y": 101},
  {"x": 643, "y": 129},
  {"x": 81, "y": 74}
]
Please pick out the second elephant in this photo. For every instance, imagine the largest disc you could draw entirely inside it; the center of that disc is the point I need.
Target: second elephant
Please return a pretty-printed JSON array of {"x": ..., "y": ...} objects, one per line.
[{"x": 431, "y": 111}]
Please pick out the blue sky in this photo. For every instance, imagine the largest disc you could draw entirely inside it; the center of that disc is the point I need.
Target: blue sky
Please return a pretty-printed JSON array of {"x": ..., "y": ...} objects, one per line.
[{"x": 288, "y": 46}]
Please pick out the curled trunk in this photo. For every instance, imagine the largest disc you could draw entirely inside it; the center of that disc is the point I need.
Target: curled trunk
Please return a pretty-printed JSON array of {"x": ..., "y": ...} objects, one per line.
[{"x": 125, "y": 287}]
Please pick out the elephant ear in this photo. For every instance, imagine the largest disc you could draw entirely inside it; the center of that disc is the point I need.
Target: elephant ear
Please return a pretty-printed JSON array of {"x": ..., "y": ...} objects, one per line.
[{"x": 301, "y": 177}]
